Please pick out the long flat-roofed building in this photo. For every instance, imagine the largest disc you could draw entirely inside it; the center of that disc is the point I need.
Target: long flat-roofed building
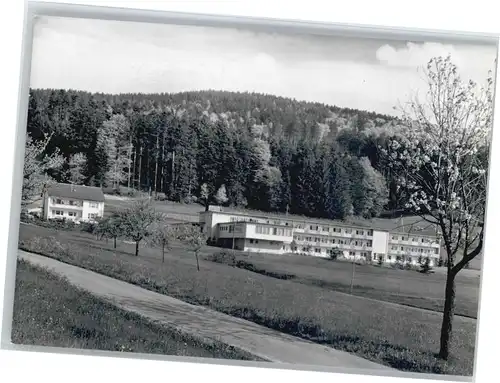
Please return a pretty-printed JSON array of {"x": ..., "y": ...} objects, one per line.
[{"x": 275, "y": 234}]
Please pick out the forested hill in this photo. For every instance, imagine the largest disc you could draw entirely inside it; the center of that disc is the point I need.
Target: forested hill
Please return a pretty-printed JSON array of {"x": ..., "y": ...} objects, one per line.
[{"x": 241, "y": 149}]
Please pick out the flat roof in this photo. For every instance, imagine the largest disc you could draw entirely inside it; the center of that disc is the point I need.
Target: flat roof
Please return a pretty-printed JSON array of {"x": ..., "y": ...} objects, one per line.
[{"x": 373, "y": 225}]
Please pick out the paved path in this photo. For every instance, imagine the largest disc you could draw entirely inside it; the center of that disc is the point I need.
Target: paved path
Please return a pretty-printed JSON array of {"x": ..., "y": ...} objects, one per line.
[{"x": 258, "y": 340}]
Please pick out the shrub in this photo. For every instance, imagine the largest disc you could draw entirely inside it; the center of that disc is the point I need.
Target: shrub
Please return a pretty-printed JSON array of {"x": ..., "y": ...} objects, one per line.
[
  {"x": 44, "y": 245},
  {"x": 334, "y": 254},
  {"x": 225, "y": 257},
  {"x": 425, "y": 267},
  {"x": 161, "y": 197}
]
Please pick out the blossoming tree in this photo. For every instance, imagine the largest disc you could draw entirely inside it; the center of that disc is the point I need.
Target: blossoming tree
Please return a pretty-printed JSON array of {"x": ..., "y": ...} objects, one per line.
[{"x": 440, "y": 159}]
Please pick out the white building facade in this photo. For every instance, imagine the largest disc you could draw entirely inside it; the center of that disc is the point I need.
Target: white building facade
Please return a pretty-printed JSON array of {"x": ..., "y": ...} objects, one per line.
[
  {"x": 298, "y": 235},
  {"x": 75, "y": 203}
]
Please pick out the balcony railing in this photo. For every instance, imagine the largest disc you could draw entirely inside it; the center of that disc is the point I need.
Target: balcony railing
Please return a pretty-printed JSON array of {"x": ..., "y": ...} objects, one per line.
[{"x": 66, "y": 206}]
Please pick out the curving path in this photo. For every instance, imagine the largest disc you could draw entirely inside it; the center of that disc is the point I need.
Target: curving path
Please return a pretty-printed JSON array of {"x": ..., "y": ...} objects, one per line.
[{"x": 203, "y": 322}]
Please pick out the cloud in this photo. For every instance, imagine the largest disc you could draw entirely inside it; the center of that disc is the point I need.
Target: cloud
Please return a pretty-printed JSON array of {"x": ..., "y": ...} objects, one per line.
[
  {"x": 121, "y": 57},
  {"x": 473, "y": 61},
  {"x": 413, "y": 55}
]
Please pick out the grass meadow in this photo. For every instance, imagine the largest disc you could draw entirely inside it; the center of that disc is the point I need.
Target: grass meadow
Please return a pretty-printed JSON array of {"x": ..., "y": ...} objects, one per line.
[
  {"x": 48, "y": 311},
  {"x": 395, "y": 335}
]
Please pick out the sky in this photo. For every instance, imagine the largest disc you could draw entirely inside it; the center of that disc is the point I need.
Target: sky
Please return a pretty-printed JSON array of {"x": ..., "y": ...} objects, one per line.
[{"x": 121, "y": 57}]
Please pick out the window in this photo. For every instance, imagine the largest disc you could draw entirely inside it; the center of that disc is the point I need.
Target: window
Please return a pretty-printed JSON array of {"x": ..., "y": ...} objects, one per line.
[
  {"x": 317, "y": 250},
  {"x": 369, "y": 243},
  {"x": 256, "y": 241},
  {"x": 394, "y": 238},
  {"x": 389, "y": 257},
  {"x": 95, "y": 205},
  {"x": 59, "y": 201},
  {"x": 332, "y": 240},
  {"x": 348, "y": 231},
  {"x": 316, "y": 239},
  {"x": 92, "y": 216},
  {"x": 275, "y": 231},
  {"x": 72, "y": 213},
  {"x": 402, "y": 248},
  {"x": 58, "y": 212},
  {"x": 251, "y": 240}
]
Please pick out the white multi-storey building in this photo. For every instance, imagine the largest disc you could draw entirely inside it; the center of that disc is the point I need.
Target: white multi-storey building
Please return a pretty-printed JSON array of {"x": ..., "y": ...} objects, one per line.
[
  {"x": 73, "y": 202},
  {"x": 320, "y": 237}
]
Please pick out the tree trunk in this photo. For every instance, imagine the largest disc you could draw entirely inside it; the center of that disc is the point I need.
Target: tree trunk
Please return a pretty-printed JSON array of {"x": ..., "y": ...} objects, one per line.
[
  {"x": 114, "y": 242},
  {"x": 129, "y": 163},
  {"x": 172, "y": 183},
  {"x": 137, "y": 248},
  {"x": 197, "y": 262},
  {"x": 448, "y": 313},
  {"x": 156, "y": 165},
  {"x": 140, "y": 170},
  {"x": 352, "y": 274},
  {"x": 163, "y": 254}
]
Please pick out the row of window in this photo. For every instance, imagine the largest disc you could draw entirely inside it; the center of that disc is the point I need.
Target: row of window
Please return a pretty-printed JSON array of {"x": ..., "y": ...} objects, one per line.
[
  {"x": 74, "y": 214},
  {"x": 403, "y": 259},
  {"x": 413, "y": 249},
  {"x": 256, "y": 241},
  {"x": 332, "y": 240},
  {"x": 330, "y": 229},
  {"x": 61, "y": 213},
  {"x": 230, "y": 228},
  {"x": 311, "y": 227},
  {"x": 281, "y": 231},
  {"x": 59, "y": 201},
  {"x": 412, "y": 239}
]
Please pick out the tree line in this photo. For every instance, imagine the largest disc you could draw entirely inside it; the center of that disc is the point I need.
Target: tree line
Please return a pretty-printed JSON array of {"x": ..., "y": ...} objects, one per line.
[{"x": 240, "y": 149}]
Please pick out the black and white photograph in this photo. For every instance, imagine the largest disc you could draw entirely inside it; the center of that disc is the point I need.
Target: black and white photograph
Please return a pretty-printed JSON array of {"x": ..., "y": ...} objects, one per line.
[{"x": 231, "y": 193}]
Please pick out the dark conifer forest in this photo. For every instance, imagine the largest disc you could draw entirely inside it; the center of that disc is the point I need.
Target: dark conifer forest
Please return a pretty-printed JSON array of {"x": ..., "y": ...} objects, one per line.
[{"x": 237, "y": 149}]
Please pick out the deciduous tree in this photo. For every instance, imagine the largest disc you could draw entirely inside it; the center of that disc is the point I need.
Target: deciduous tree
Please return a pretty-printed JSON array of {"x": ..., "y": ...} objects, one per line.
[
  {"x": 194, "y": 238},
  {"x": 162, "y": 235},
  {"x": 76, "y": 168},
  {"x": 36, "y": 165},
  {"x": 138, "y": 222},
  {"x": 440, "y": 160}
]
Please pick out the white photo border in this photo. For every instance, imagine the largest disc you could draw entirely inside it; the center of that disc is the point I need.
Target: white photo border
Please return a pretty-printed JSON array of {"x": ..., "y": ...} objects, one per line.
[{"x": 139, "y": 366}]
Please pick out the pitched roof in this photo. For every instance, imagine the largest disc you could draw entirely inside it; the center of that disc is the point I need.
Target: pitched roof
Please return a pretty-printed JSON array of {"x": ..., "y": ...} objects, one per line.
[{"x": 87, "y": 193}]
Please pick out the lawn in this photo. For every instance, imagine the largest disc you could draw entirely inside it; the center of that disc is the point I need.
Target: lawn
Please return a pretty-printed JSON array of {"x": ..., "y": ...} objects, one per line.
[
  {"x": 407, "y": 287},
  {"x": 397, "y": 336},
  {"x": 48, "y": 311},
  {"x": 176, "y": 212}
]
